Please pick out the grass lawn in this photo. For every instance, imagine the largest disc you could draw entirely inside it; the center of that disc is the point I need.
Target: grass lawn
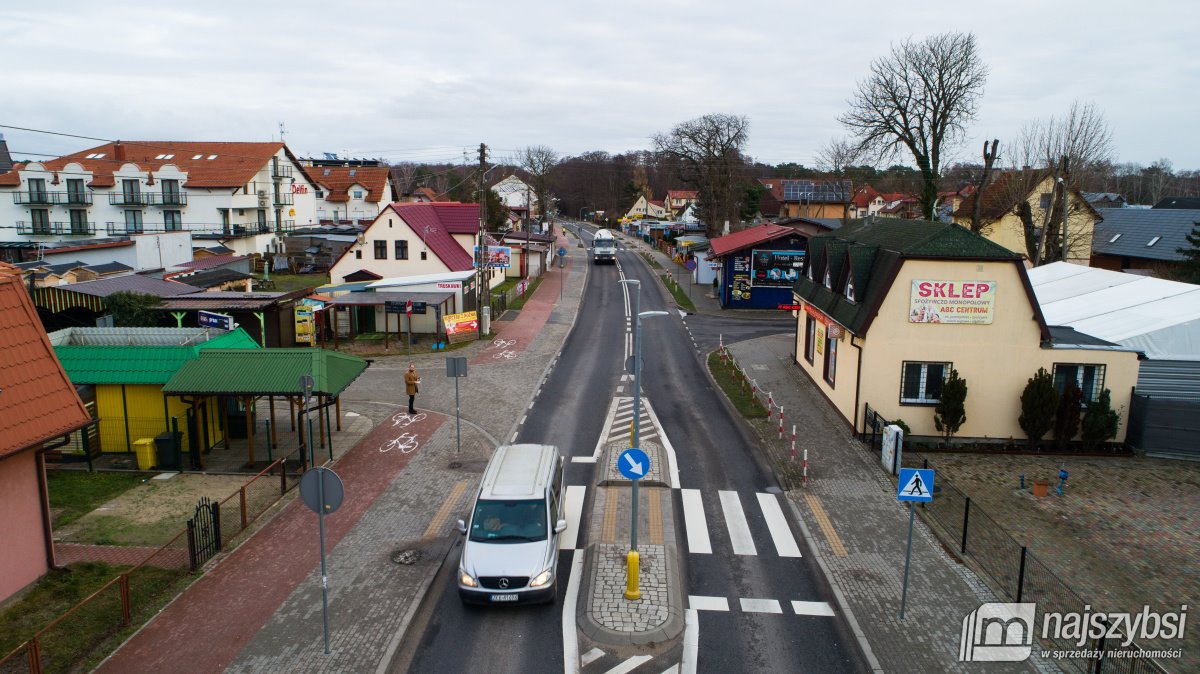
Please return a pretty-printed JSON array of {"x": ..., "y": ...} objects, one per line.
[
  {"x": 509, "y": 284},
  {"x": 520, "y": 301},
  {"x": 290, "y": 282},
  {"x": 93, "y": 631},
  {"x": 76, "y": 493},
  {"x": 650, "y": 259},
  {"x": 736, "y": 388},
  {"x": 679, "y": 292}
]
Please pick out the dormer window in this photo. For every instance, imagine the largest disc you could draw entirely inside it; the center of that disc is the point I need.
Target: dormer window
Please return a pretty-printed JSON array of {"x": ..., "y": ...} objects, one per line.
[
  {"x": 1153, "y": 241},
  {"x": 199, "y": 156},
  {"x": 828, "y": 280},
  {"x": 809, "y": 272},
  {"x": 850, "y": 289},
  {"x": 212, "y": 157}
]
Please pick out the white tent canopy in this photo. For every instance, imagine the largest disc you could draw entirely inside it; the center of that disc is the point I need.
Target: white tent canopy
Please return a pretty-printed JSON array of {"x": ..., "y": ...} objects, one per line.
[{"x": 1157, "y": 317}]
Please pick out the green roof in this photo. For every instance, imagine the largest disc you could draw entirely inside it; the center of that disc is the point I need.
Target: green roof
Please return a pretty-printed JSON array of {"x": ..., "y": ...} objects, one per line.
[
  {"x": 869, "y": 252},
  {"x": 265, "y": 372},
  {"x": 133, "y": 364}
]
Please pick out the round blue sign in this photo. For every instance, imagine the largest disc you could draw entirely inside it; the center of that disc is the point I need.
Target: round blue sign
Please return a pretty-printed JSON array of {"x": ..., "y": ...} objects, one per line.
[
  {"x": 562, "y": 252},
  {"x": 633, "y": 463}
]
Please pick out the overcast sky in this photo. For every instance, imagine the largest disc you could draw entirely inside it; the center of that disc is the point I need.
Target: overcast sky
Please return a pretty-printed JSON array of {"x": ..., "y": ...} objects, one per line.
[{"x": 428, "y": 81}]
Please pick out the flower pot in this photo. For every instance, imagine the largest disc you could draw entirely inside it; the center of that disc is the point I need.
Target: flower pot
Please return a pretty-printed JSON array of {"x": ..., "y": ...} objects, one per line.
[{"x": 1041, "y": 487}]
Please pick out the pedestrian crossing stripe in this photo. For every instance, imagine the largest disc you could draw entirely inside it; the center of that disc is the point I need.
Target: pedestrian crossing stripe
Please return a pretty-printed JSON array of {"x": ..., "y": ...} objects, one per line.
[
  {"x": 915, "y": 485},
  {"x": 737, "y": 527}
]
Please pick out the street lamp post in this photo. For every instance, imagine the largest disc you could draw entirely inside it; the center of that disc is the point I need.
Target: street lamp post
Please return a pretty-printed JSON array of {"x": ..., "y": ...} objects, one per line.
[{"x": 632, "y": 566}]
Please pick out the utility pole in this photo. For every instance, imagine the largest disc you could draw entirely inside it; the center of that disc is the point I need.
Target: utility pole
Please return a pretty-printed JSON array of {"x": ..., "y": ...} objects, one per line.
[{"x": 485, "y": 295}]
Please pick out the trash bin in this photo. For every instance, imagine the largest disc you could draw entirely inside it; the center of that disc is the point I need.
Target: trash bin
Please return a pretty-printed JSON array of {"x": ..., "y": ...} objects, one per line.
[
  {"x": 144, "y": 448},
  {"x": 168, "y": 451}
]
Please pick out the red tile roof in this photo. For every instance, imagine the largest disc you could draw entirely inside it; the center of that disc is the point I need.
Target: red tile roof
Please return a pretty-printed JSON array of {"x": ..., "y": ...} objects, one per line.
[
  {"x": 682, "y": 194},
  {"x": 723, "y": 245},
  {"x": 338, "y": 181},
  {"x": 657, "y": 202},
  {"x": 37, "y": 401},
  {"x": 426, "y": 192},
  {"x": 233, "y": 166},
  {"x": 435, "y": 223},
  {"x": 864, "y": 197}
]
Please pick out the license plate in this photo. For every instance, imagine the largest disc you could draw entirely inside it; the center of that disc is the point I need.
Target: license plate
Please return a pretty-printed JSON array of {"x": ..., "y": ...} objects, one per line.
[{"x": 504, "y": 597}]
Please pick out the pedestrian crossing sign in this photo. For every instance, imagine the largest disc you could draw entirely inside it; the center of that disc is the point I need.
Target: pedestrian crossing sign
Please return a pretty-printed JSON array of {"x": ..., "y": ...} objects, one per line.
[{"x": 915, "y": 485}]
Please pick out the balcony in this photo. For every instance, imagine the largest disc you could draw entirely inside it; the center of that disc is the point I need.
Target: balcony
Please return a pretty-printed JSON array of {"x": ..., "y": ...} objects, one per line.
[
  {"x": 167, "y": 198},
  {"x": 122, "y": 228},
  {"x": 56, "y": 228},
  {"x": 130, "y": 198},
  {"x": 281, "y": 171},
  {"x": 39, "y": 197},
  {"x": 286, "y": 226},
  {"x": 284, "y": 199}
]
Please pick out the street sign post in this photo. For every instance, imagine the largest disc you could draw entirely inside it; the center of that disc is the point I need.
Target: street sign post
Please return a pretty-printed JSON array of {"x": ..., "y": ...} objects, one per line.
[
  {"x": 633, "y": 464},
  {"x": 456, "y": 367},
  {"x": 322, "y": 491},
  {"x": 915, "y": 486}
]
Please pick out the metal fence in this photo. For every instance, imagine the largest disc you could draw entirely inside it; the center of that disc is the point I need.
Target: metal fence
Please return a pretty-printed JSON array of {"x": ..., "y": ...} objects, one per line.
[{"x": 78, "y": 635}]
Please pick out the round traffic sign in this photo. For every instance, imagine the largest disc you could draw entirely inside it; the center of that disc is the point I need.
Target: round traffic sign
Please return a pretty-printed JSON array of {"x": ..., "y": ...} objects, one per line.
[
  {"x": 633, "y": 463},
  {"x": 562, "y": 251},
  {"x": 322, "y": 482}
]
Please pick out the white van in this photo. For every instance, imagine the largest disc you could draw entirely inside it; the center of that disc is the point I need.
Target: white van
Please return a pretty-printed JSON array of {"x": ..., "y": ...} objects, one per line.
[{"x": 511, "y": 551}]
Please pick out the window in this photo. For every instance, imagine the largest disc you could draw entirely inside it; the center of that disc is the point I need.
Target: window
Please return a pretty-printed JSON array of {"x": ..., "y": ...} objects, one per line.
[
  {"x": 1114, "y": 239},
  {"x": 381, "y": 250},
  {"x": 131, "y": 190},
  {"x": 352, "y": 172},
  {"x": 830, "y": 359},
  {"x": 1153, "y": 241},
  {"x": 173, "y": 220},
  {"x": 828, "y": 280},
  {"x": 401, "y": 250},
  {"x": 75, "y": 192},
  {"x": 424, "y": 255},
  {"x": 810, "y": 337},
  {"x": 1045, "y": 200},
  {"x": 40, "y": 220},
  {"x": 358, "y": 255},
  {"x": 79, "y": 223},
  {"x": 37, "y": 190},
  {"x": 850, "y": 289},
  {"x": 198, "y": 156},
  {"x": 133, "y": 221},
  {"x": 170, "y": 191},
  {"x": 358, "y": 194},
  {"x": 921, "y": 383},
  {"x": 1088, "y": 378}
]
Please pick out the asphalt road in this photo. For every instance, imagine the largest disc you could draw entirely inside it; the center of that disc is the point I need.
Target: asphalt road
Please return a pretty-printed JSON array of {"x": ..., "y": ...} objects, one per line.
[{"x": 714, "y": 454}]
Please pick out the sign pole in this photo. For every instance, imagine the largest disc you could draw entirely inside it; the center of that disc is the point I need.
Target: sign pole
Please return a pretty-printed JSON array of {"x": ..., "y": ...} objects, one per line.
[
  {"x": 907, "y": 558},
  {"x": 324, "y": 577},
  {"x": 633, "y": 570},
  {"x": 323, "y": 492},
  {"x": 457, "y": 420}
]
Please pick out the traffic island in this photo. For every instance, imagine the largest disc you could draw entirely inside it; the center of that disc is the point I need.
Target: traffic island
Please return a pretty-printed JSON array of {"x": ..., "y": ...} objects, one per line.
[{"x": 605, "y": 616}]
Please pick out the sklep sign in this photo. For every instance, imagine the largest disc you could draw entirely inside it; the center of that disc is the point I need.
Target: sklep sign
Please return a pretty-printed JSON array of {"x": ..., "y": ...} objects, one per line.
[{"x": 962, "y": 302}]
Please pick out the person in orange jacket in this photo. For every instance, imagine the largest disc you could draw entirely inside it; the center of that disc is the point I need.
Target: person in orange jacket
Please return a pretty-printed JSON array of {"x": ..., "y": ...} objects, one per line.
[{"x": 411, "y": 379}]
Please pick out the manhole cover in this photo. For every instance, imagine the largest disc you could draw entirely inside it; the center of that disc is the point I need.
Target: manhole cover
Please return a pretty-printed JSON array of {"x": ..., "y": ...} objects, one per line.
[
  {"x": 406, "y": 557},
  {"x": 454, "y": 465}
]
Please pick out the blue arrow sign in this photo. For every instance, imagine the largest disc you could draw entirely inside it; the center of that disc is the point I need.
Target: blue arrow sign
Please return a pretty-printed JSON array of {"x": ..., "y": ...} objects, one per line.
[
  {"x": 915, "y": 485},
  {"x": 562, "y": 252},
  {"x": 633, "y": 463}
]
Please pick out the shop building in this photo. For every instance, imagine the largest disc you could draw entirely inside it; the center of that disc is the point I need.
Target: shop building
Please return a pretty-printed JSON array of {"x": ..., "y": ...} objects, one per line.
[
  {"x": 759, "y": 265},
  {"x": 890, "y": 307}
]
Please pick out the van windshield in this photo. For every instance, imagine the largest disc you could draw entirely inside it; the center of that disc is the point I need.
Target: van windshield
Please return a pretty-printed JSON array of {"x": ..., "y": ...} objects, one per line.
[{"x": 509, "y": 521}]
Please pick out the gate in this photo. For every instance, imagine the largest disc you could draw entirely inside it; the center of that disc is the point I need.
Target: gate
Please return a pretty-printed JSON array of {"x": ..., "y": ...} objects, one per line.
[
  {"x": 873, "y": 424},
  {"x": 204, "y": 533},
  {"x": 1164, "y": 427}
]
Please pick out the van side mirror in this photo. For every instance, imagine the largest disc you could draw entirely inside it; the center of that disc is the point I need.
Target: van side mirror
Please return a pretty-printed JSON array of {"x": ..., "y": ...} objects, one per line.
[
  {"x": 560, "y": 526},
  {"x": 461, "y": 526}
]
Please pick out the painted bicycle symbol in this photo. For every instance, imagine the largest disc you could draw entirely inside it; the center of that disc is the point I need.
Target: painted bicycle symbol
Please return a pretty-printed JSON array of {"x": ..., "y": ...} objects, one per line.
[
  {"x": 500, "y": 343},
  {"x": 404, "y": 419},
  {"x": 506, "y": 355},
  {"x": 405, "y": 442}
]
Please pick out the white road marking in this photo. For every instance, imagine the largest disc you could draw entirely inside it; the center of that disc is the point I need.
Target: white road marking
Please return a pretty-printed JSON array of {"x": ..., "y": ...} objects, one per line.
[
  {"x": 673, "y": 463},
  {"x": 592, "y": 656},
  {"x": 760, "y": 605},
  {"x": 630, "y": 664},
  {"x": 573, "y": 507},
  {"x": 570, "y": 602},
  {"x": 583, "y": 459},
  {"x": 695, "y": 522},
  {"x": 351, "y": 414},
  {"x": 812, "y": 608},
  {"x": 785, "y": 543},
  {"x": 736, "y": 524},
  {"x": 514, "y": 437},
  {"x": 523, "y": 418},
  {"x": 673, "y": 669},
  {"x": 691, "y": 641},
  {"x": 682, "y": 313},
  {"x": 700, "y": 603},
  {"x": 612, "y": 410}
]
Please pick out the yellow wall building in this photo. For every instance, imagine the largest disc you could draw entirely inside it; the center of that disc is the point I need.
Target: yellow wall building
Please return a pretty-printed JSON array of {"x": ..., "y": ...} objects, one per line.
[{"x": 891, "y": 306}]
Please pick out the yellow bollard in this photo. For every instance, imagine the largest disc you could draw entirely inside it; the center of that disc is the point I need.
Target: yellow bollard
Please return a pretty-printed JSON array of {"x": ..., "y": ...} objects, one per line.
[
  {"x": 631, "y": 430},
  {"x": 632, "y": 565}
]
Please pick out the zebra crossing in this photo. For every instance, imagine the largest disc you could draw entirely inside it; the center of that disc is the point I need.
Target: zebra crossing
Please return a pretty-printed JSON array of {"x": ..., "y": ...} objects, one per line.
[
  {"x": 620, "y": 425},
  {"x": 737, "y": 526}
]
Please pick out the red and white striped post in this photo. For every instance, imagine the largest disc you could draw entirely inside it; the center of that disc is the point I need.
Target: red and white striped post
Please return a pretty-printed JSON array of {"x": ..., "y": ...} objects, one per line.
[
  {"x": 793, "y": 443},
  {"x": 781, "y": 422},
  {"x": 804, "y": 479}
]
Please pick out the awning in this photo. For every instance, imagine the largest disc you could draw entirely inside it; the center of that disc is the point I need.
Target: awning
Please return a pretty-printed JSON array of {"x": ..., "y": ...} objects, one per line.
[{"x": 259, "y": 372}]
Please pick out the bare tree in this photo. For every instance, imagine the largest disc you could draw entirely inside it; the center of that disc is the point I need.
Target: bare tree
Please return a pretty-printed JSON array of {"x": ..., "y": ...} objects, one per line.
[
  {"x": 838, "y": 155},
  {"x": 989, "y": 158},
  {"x": 402, "y": 176},
  {"x": 538, "y": 161},
  {"x": 708, "y": 152},
  {"x": 1081, "y": 135},
  {"x": 920, "y": 98}
]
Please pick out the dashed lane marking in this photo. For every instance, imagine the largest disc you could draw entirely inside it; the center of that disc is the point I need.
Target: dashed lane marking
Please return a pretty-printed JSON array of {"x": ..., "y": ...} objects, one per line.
[
  {"x": 760, "y": 605},
  {"x": 835, "y": 541},
  {"x": 438, "y": 523},
  {"x": 821, "y": 608},
  {"x": 701, "y": 603}
]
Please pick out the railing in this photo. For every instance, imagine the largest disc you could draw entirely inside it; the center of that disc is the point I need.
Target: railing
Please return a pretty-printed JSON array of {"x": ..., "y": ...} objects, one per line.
[
  {"x": 166, "y": 198},
  {"x": 39, "y": 197},
  {"x": 284, "y": 199},
  {"x": 130, "y": 199},
  {"x": 135, "y": 595},
  {"x": 286, "y": 226},
  {"x": 126, "y": 228},
  {"x": 55, "y": 228},
  {"x": 281, "y": 171}
]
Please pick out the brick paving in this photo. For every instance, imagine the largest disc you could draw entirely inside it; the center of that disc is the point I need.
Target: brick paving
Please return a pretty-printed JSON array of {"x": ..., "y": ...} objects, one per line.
[
  {"x": 608, "y": 605},
  {"x": 1119, "y": 536}
]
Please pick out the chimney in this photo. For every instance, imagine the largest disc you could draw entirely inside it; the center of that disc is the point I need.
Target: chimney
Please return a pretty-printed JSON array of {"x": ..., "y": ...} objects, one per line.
[{"x": 118, "y": 151}]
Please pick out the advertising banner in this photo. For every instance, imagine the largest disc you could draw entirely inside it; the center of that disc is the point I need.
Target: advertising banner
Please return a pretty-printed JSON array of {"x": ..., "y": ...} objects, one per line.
[
  {"x": 961, "y": 302},
  {"x": 740, "y": 279},
  {"x": 304, "y": 324},
  {"x": 461, "y": 327},
  {"x": 777, "y": 268},
  {"x": 498, "y": 257}
]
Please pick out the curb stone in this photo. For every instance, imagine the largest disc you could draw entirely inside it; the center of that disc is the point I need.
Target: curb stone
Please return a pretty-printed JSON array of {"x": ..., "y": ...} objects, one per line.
[{"x": 669, "y": 630}]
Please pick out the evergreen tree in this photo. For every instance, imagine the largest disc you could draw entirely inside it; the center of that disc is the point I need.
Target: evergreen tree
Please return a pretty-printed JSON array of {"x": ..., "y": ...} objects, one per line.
[
  {"x": 951, "y": 411},
  {"x": 1100, "y": 422},
  {"x": 1066, "y": 421},
  {"x": 1039, "y": 403},
  {"x": 1189, "y": 271}
]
